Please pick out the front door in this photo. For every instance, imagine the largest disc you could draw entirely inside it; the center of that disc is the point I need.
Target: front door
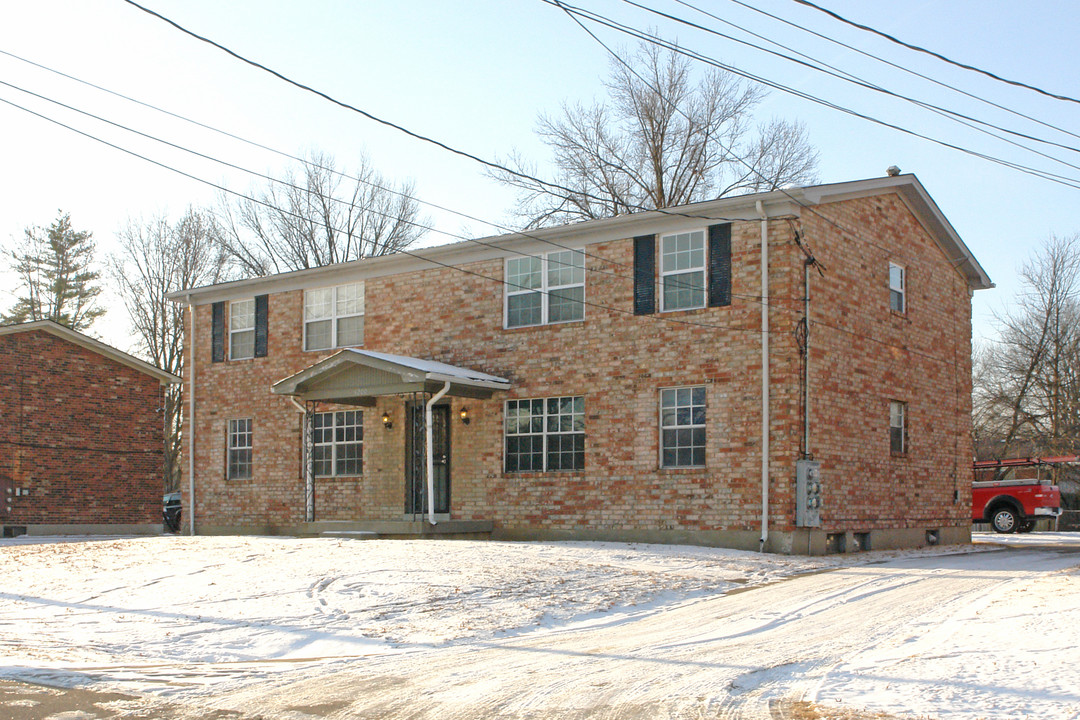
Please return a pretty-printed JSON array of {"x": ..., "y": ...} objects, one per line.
[{"x": 416, "y": 498}]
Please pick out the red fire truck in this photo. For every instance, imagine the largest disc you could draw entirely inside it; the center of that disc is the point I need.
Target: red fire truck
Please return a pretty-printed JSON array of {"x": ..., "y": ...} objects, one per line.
[{"x": 1013, "y": 505}]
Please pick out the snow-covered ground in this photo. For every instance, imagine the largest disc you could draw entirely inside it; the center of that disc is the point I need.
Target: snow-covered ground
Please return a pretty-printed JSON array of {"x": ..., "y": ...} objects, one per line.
[{"x": 235, "y": 620}]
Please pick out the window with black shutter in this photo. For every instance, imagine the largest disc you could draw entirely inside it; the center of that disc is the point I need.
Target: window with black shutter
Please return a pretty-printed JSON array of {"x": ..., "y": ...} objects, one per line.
[
  {"x": 217, "y": 332},
  {"x": 645, "y": 275}
]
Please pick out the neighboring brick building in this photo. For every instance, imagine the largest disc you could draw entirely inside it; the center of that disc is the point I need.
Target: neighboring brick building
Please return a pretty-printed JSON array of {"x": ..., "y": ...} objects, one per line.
[
  {"x": 81, "y": 435},
  {"x": 604, "y": 380}
]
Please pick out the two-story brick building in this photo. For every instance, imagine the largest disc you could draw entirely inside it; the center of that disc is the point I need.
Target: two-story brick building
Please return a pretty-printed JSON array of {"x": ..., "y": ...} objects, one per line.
[
  {"x": 787, "y": 370},
  {"x": 81, "y": 435}
]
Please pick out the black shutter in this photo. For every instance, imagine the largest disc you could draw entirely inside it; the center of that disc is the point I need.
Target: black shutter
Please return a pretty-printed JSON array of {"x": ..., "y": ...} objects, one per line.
[
  {"x": 719, "y": 265},
  {"x": 218, "y": 333},
  {"x": 261, "y": 306},
  {"x": 645, "y": 275}
]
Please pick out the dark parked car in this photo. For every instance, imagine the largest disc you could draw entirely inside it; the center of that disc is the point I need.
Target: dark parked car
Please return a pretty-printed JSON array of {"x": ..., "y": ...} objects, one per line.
[{"x": 170, "y": 511}]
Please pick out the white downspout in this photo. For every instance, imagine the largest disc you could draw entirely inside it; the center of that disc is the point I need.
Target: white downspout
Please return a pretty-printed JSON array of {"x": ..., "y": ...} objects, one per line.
[
  {"x": 430, "y": 453},
  {"x": 191, "y": 423},
  {"x": 309, "y": 479},
  {"x": 765, "y": 419}
]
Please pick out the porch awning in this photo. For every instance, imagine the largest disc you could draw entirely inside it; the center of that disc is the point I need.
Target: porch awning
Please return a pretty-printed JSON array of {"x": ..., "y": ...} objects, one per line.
[{"x": 357, "y": 377}]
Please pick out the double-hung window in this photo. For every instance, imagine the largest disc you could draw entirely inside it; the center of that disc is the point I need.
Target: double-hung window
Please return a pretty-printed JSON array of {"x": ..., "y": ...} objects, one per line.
[
  {"x": 242, "y": 329},
  {"x": 239, "y": 450},
  {"x": 338, "y": 447},
  {"x": 897, "y": 288},
  {"x": 545, "y": 289},
  {"x": 545, "y": 434},
  {"x": 897, "y": 427},
  {"x": 334, "y": 317},
  {"x": 682, "y": 427},
  {"x": 682, "y": 271}
]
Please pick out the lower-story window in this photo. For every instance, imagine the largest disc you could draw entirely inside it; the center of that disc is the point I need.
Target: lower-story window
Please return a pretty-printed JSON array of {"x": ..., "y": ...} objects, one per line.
[
  {"x": 545, "y": 434},
  {"x": 897, "y": 427},
  {"x": 339, "y": 443},
  {"x": 682, "y": 427},
  {"x": 238, "y": 456}
]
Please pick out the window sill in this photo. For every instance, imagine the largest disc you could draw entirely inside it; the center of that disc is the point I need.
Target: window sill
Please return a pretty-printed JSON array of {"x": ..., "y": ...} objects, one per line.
[
  {"x": 899, "y": 455},
  {"x": 543, "y": 473},
  {"x": 682, "y": 469},
  {"x": 561, "y": 323},
  {"x": 333, "y": 349}
]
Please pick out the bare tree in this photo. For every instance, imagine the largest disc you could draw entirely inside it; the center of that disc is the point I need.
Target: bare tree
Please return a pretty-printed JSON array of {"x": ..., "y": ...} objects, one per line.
[
  {"x": 660, "y": 140},
  {"x": 158, "y": 258},
  {"x": 1027, "y": 385},
  {"x": 317, "y": 215},
  {"x": 56, "y": 270}
]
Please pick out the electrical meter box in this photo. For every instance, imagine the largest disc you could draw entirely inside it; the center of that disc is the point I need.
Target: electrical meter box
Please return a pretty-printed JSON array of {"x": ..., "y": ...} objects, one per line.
[{"x": 808, "y": 493}]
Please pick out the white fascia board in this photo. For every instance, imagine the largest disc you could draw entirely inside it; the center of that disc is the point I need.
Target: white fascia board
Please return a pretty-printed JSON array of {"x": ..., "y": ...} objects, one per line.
[
  {"x": 576, "y": 237},
  {"x": 922, "y": 206},
  {"x": 65, "y": 333}
]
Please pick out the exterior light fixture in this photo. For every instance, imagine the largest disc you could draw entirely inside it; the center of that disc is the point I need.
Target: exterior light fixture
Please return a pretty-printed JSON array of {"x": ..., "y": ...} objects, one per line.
[
  {"x": 386, "y": 421},
  {"x": 464, "y": 415}
]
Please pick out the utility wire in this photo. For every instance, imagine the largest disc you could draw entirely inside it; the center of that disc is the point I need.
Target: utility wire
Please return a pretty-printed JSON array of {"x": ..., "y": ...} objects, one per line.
[
  {"x": 419, "y": 226},
  {"x": 890, "y": 63},
  {"x": 939, "y": 56},
  {"x": 417, "y": 136},
  {"x": 282, "y": 153},
  {"x": 888, "y": 252},
  {"x": 456, "y": 151},
  {"x": 641, "y": 35},
  {"x": 655, "y": 317},
  {"x": 832, "y": 71},
  {"x": 765, "y": 300}
]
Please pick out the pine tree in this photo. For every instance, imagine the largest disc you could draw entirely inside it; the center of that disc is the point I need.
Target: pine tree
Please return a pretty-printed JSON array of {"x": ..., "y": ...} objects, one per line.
[{"x": 57, "y": 278}]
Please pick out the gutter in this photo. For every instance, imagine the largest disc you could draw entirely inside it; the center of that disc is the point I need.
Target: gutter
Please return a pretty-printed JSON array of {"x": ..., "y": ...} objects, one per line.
[
  {"x": 765, "y": 418},
  {"x": 191, "y": 423},
  {"x": 430, "y": 452}
]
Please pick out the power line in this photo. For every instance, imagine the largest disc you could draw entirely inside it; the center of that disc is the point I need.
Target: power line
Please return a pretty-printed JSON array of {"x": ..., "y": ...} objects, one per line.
[
  {"x": 888, "y": 252},
  {"x": 883, "y": 60},
  {"x": 832, "y": 71},
  {"x": 450, "y": 149},
  {"x": 641, "y": 35},
  {"x": 420, "y": 226},
  {"x": 939, "y": 56},
  {"x": 655, "y": 317}
]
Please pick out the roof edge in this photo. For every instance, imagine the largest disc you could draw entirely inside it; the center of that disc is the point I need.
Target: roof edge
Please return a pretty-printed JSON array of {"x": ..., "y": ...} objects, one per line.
[{"x": 78, "y": 338}]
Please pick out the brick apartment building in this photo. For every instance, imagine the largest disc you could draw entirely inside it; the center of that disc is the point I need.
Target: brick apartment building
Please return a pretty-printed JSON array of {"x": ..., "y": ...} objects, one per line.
[
  {"x": 614, "y": 379},
  {"x": 81, "y": 435}
]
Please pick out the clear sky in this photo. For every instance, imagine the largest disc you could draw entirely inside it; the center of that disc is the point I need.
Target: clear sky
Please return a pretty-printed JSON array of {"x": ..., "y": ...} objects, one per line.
[{"x": 474, "y": 75}]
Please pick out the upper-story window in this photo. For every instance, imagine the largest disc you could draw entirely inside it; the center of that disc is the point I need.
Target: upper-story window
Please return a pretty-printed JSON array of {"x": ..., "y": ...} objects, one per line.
[
  {"x": 682, "y": 271},
  {"x": 545, "y": 289},
  {"x": 897, "y": 288},
  {"x": 334, "y": 317},
  {"x": 242, "y": 329}
]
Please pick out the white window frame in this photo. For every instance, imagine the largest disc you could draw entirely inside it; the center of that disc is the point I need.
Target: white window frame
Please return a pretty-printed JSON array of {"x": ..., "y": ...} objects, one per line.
[
  {"x": 900, "y": 291},
  {"x": 898, "y": 423},
  {"x": 545, "y": 431},
  {"x": 703, "y": 268},
  {"x": 546, "y": 287},
  {"x": 334, "y": 317},
  {"x": 335, "y": 445},
  {"x": 235, "y": 331},
  {"x": 240, "y": 438},
  {"x": 703, "y": 426}
]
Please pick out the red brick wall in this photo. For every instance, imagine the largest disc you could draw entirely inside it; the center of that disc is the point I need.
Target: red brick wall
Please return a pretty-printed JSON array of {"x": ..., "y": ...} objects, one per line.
[
  {"x": 80, "y": 434},
  {"x": 618, "y": 362},
  {"x": 863, "y": 355}
]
